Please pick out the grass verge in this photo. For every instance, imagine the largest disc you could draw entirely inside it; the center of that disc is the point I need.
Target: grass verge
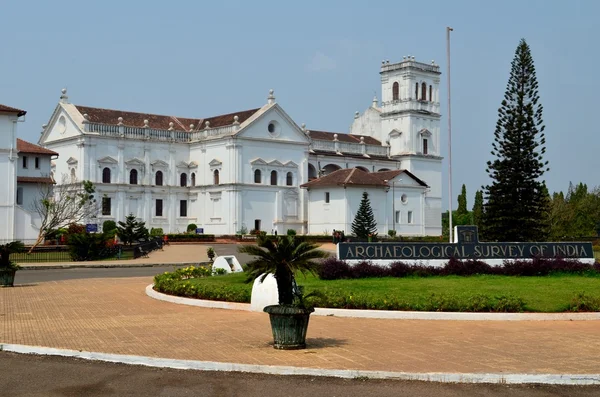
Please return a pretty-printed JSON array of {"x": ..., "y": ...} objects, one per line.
[{"x": 486, "y": 293}]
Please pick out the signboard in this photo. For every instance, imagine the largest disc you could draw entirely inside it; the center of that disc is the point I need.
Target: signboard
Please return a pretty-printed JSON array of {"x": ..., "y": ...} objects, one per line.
[
  {"x": 91, "y": 228},
  {"x": 468, "y": 247},
  {"x": 200, "y": 230}
]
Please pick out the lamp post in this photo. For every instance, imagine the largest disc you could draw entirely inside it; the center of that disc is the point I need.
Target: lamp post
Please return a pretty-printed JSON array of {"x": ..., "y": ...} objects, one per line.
[{"x": 448, "y": 30}]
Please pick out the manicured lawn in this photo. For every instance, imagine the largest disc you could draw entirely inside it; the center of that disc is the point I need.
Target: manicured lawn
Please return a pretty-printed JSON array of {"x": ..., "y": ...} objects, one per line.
[
  {"x": 541, "y": 294},
  {"x": 56, "y": 256}
]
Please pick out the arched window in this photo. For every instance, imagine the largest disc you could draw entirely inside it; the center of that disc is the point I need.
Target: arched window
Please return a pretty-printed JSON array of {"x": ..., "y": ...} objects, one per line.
[
  {"x": 257, "y": 176},
  {"x": 430, "y": 93},
  {"x": 158, "y": 178},
  {"x": 133, "y": 177},
  {"x": 423, "y": 91},
  {"x": 216, "y": 177},
  {"x": 273, "y": 177},
  {"x": 416, "y": 91},
  {"x": 183, "y": 179},
  {"x": 395, "y": 91},
  {"x": 106, "y": 175},
  {"x": 289, "y": 179},
  {"x": 193, "y": 179}
]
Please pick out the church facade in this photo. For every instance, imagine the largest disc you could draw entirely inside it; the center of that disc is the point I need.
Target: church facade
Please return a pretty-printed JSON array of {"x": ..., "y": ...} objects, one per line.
[{"x": 252, "y": 169}]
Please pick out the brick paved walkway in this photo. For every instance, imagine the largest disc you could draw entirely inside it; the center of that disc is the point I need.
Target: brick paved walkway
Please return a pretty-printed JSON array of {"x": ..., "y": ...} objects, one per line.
[{"x": 115, "y": 316}]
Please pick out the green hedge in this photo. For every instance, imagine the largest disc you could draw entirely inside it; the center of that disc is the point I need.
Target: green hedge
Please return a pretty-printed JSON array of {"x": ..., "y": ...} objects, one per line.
[{"x": 182, "y": 237}]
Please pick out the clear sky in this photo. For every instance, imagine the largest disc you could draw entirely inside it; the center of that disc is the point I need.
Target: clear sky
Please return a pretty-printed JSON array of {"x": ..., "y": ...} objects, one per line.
[{"x": 200, "y": 58}]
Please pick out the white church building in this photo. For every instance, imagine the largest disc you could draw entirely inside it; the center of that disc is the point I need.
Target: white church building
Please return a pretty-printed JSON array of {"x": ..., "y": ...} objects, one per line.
[
  {"x": 257, "y": 168},
  {"x": 23, "y": 168}
]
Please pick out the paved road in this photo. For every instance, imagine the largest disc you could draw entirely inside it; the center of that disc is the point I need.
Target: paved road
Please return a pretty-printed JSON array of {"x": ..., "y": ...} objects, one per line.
[
  {"x": 41, "y": 275},
  {"x": 28, "y": 375}
]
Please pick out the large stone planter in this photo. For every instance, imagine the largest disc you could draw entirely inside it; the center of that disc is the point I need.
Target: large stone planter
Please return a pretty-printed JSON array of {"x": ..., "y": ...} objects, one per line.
[
  {"x": 7, "y": 277},
  {"x": 289, "y": 325}
]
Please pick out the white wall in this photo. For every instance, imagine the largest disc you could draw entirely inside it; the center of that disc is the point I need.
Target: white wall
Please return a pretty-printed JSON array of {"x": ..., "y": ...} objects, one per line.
[{"x": 8, "y": 174}]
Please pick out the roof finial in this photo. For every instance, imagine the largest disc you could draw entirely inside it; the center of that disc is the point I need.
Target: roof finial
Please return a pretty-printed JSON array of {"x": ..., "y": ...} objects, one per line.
[
  {"x": 64, "y": 98},
  {"x": 375, "y": 101},
  {"x": 335, "y": 137},
  {"x": 120, "y": 121},
  {"x": 146, "y": 125},
  {"x": 191, "y": 127},
  {"x": 207, "y": 124},
  {"x": 171, "y": 126},
  {"x": 271, "y": 97},
  {"x": 236, "y": 120},
  {"x": 303, "y": 127},
  {"x": 356, "y": 114}
]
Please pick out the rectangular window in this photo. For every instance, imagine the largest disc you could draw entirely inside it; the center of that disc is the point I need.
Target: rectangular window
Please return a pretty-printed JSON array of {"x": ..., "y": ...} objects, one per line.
[
  {"x": 37, "y": 163},
  {"x": 24, "y": 161},
  {"x": 19, "y": 196},
  {"x": 409, "y": 217},
  {"x": 425, "y": 149},
  {"x": 326, "y": 197},
  {"x": 397, "y": 216},
  {"x": 257, "y": 224},
  {"x": 182, "y": 207},
  {"x": 159, "y": 207},
  {"x": 106, "y": 205}
]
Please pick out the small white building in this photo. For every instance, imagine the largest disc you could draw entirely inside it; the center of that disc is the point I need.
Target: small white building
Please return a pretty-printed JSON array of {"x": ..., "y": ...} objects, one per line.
[
  {"x": 243, "y": 170},
  {"x": 397, "y": 199},
  {"x": 24, "y": 166}
]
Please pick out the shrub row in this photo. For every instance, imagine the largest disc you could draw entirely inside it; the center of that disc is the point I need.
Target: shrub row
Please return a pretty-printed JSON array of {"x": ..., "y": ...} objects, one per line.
[
  {"x": 432, "y": 303},
  {"x": 178, "y": 283},
  {"x": 333, "y": 268},
  {"x": 183, "y": 237}
]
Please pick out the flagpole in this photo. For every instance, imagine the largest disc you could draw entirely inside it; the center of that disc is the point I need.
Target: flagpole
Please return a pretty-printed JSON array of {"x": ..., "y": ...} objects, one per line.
[{"x": 448, "y": 30}]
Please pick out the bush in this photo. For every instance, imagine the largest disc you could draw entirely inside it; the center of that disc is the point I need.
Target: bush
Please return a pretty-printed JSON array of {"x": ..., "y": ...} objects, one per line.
[
  {"x": 107, "y": 226},
  {"x": 89, "y": 246},
  {"x": 75, "y": 228},
  {"x": 192, "y": 228},
  {"x": 584, "y": 303},
  {"x": 392, "y": 233},
  {"x": 190, "y": 237},
  {"x": 291, "y": 232},
  {"x": 333, "y": 269},
  {"x": 156, "y": 232}
]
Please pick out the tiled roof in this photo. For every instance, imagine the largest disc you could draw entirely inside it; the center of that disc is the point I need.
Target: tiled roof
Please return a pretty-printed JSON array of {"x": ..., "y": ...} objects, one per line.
[
  {"x": 28, "y": 147},
  {"x": 8, "y": 109},
  {"x": 34, "y": 179},
  {"x": 358, "y": 177},
  {"x": 387, "y": 175},
  {"x": 134, "y": 119},
  {"x": 328, "y": 136},
  {"x": 347, "y": 177}
]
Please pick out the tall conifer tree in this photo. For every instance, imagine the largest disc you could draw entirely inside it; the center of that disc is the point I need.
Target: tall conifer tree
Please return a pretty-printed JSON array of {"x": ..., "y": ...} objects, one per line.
[
  {"x": 364, "y": 222},
  {"x": 515, "y": 201},
  {"x": 478, "y": 208}
]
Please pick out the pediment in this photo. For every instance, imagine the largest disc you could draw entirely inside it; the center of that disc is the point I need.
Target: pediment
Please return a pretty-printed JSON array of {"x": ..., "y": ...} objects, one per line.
[
  {"x": 395, "y": 133},
  {"x": 291, "y": 164},
  {"x": 215, "y": 163},
  {"x": 159, "y": 163},
  {"x": 258, "y": 161},
  {"x": 287, "y": 130},
  {"x": 72, "y": 161},
  {"x": 275, "y": 163},
  {"x": 108, "y": 160},
  {"x": 134, "y": 161},
  {"x": 193, "y": 164},
  {"x": 425, "y": 132}
]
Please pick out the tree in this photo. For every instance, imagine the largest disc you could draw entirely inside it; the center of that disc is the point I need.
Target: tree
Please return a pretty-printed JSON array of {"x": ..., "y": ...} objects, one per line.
[
  {"x": 64, "y": 204},
  {"x": 284, "y": 258},
  {"x": 364, "y": 224},
  {"x": 478, "y": 208},
  {"x": 515, "y": 201},
  {"x": 131, "y": 230},
  {"x": 462, "y": 202}
]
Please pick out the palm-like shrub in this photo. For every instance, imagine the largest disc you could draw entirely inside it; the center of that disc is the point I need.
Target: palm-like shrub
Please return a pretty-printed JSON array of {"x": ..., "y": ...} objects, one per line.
[
  {"x": 283, "y": 257},
  {"x": 5, "y": 251}
]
